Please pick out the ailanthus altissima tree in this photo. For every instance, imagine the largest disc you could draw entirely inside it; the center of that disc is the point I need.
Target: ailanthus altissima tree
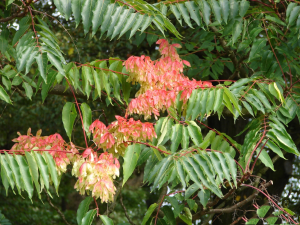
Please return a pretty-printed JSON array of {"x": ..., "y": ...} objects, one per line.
[{"x": 217, "y": 59}]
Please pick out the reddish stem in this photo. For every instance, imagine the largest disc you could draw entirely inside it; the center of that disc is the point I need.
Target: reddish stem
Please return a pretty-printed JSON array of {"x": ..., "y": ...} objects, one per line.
[
  {"x": 86, "y": 144},
  {"x": 270, "y": 199}
]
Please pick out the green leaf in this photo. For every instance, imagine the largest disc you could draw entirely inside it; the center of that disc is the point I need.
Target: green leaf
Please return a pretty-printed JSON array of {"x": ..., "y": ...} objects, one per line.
[
  {"x": 46, "y": 86},
  {"x": 4, "y": 96},
  {"x": 185, "y": 141},
  {"x": 183, "y": 10},
  {"x": 87, "y": 79},
  {"x": 194, "y": 11},
  {"x": 218, "y": 99},
  {"x": 105, "y": 84},
  {"x": 42, "y": 61},
  {"x": 4, "y": 178},
  {"x": 244, "y": 6},
  {"x": 163, "y": 131},
  {"x": 86, "y": 14},
  {"x": 224, "y": 4},
  {"x": 83, "y": 208},
  {"x": 28, "y": 90},
  {"x": 216, "y": 10},
  {"x": 89, "y": 216},
  {"x": 86, "y": 117},
  {"x": 97, "y": 83},
  {"x": 195, "y": 133},
  {"x": 289, "y": 211},
  {"x": 275, "y": 148},
  {"x": 56, "y": 62},
  {"x": 15, "y": 171},
  {"x": 276, "y": 91},
  {"x": 26, "y": 176},
  {"x": 205, "y": 9},
  {"x": 237, "y": 30},
  {"x": 69, "y": 115},
  {"x": 126, "y": 89},
  {"x": 262, "y": 211},
  {"x": 148, "y": 213},
  {"x": 294, "y": 15},
  {"x": 257, "y": 46},
  {"x": 191, "y": 190},
  {"x": 22, "y": 29},
  {"x": 204, "y": 195},
  {"x": 233, "y": 99},
  {"x": 43, "y": 168},
  {"x": 167, "y": 210},
  {"x": 271, "y": 220},
  {"x": 7, "y": 173},
  {"x": 33, "y": 171},
  {"x": 180, "y": 173},
  {"x": 98, "y": 14},
  {"x": 76, "y": 8},
  {"x": 252, "y": 221},
  {"x": 52, "y": 169},
  {"x": 176, "y": 137},
  {"x": 116, "y": 85},
  {"x": 131, "y": 156},
  {"x": 275, "y": 20},
  {"x": 265, "y": 158}
]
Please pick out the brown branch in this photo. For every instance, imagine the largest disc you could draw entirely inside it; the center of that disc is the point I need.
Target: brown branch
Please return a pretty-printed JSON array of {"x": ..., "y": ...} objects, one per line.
[
  {"x": 125, "y": 211},
  {"x": 237, "y": 63},
  {"x": 240, "y": 204},
  {"x": 57, "y": 209},
  {"x": 18, "y": 13}
]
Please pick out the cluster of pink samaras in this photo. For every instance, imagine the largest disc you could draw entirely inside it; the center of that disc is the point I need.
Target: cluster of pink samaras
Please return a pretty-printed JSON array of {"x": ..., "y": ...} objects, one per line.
[
  {"x": 96, "y": 174},
  {"x": 61, "y": 152},
  {"x": 120, "y": 133},
  {"x": 160, "y": 81}
]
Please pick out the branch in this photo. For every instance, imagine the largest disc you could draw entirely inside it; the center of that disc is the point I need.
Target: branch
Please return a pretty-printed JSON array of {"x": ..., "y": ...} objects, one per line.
[
  {"x": 237, "y": 63},
  {"x": 57, "y": 209},
  {"x": 125, "y": 210},
  {"x": 240, "y": 204},
  {"x": 18, "y": 13}
]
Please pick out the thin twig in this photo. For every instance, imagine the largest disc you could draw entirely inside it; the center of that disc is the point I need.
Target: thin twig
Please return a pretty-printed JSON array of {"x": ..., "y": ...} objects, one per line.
[
  {"x": 125, "y": 210},
  {"x": 57, "y": 209}
]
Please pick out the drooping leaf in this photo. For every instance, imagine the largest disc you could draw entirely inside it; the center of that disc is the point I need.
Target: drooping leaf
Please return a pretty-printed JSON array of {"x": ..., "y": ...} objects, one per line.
[
  {"x": 83, "y": 208},
  {"x": 148, "y": 213},
  {"x": 131, "y": 156},
  {"x": 69, "y": 115},
  {"x": 89, "y": 216},
  {"x": 86, "y": 117}
]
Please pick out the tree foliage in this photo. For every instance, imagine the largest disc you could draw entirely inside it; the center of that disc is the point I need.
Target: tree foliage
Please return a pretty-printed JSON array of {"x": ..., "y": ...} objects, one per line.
[{"x": 249, "y": 49}]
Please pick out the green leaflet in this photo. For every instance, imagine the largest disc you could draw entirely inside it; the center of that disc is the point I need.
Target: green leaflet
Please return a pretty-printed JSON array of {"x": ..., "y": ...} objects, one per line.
[
  {"x": 69, "y": 115},
  {"x": 87, "y": 117},
  {"x": 52, "y": 170},
  {"x": 15, "y": 171},
  {"x": 224, "y": 4},
  {"x": 83, "y": 208},
  {"x": 89, "y": 216},
  {"x": 98, "y": 14},
  {"x": 194, "y": 11},
  {"x": 4, "y": 96},
  {"x": 195, "y": 133},
  {"x": 86, "y": 14},
  {"x": 7, "y": 174},
  {"x": 265, "y": 158},
  {"x": 218, "y": 99},
  {"x": 43, "y": 169},
  {"x": 204, "y": 196},
  {"x": 148, "y": 213},
  {"x": 131, "y": 156},
  {"x": 176, "y": 136},
  {"x": 184, "y": 12},
  {"x": 26, "y": 176},
  {"x": 257, "y": 46},
  {"x": 33, "y": 171}
]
